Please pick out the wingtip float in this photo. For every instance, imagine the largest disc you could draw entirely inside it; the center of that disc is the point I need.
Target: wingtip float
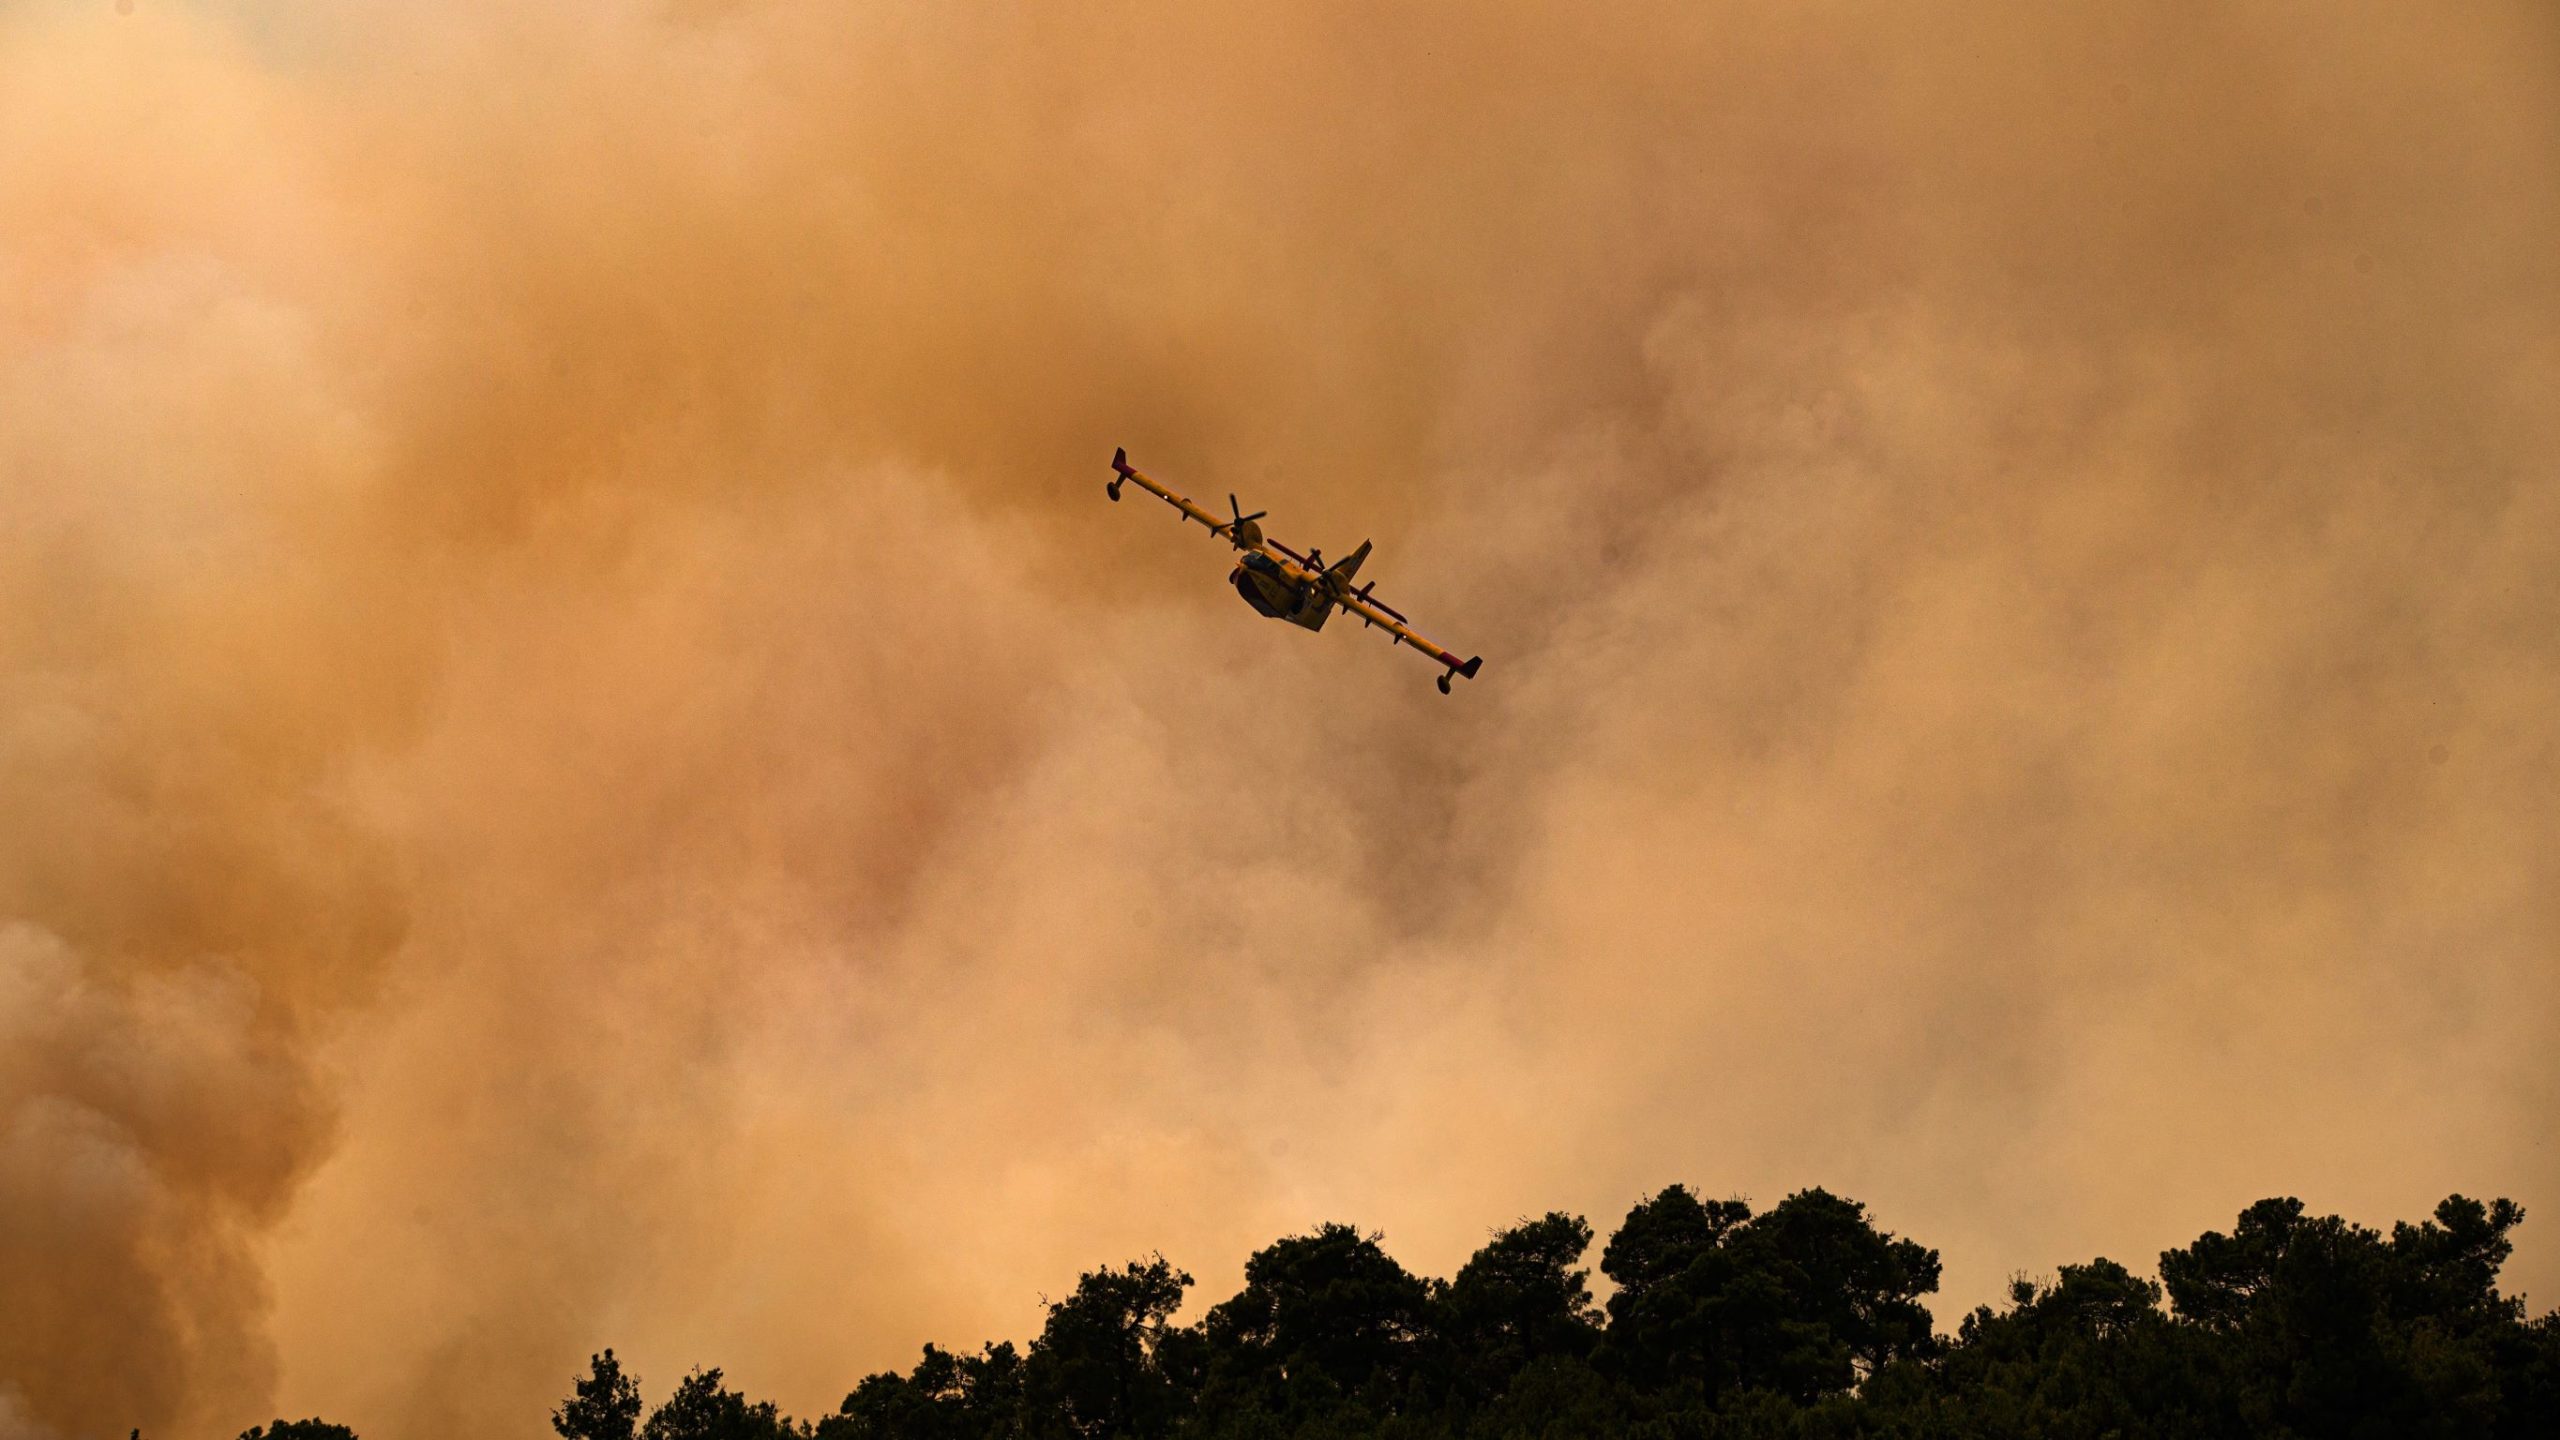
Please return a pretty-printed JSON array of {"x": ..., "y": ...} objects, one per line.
[{"x": 1302, "y": 589}]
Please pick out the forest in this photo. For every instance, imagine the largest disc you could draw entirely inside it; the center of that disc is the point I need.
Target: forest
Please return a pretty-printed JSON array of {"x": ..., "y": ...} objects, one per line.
[{"x": 1804, "y": 1320}]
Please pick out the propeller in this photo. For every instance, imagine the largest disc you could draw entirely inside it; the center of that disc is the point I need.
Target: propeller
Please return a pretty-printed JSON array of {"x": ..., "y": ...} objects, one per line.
[{"x": 1241, "y": 531}]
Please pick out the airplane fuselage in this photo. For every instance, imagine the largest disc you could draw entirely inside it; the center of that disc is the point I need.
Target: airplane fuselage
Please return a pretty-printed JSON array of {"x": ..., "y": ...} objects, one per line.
[
  {"x": 1285, "y": 585},
  {"x": 1280, "y": 590}
]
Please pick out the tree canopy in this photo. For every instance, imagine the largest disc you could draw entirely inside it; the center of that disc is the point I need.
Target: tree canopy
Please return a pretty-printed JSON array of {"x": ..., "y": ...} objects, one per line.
[{"x": 1720, "y": 1323}]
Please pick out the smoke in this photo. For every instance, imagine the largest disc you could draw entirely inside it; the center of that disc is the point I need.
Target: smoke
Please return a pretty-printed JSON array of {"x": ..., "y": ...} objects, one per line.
[{"x": 584, "y": 763}]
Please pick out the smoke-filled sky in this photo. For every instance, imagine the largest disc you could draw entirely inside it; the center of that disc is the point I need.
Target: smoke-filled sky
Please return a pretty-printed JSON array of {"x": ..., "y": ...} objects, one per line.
[{"x": 583, "y": 761}]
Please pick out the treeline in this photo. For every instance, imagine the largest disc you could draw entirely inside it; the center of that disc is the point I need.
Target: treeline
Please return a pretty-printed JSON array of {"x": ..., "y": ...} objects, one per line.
[{"x": 1801, "y": 1321}]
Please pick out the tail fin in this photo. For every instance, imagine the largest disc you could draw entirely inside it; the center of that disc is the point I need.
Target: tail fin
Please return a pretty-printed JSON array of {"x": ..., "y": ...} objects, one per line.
[{"x": 1349, "y": 565}]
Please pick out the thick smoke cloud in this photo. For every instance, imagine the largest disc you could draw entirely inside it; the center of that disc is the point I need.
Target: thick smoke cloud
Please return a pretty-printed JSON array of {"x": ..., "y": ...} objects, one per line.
[{"x": 583, "y": 762}]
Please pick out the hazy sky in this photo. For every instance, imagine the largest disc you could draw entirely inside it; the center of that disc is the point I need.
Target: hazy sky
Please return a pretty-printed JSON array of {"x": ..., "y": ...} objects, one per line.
[{"x": 583, "y": 761}]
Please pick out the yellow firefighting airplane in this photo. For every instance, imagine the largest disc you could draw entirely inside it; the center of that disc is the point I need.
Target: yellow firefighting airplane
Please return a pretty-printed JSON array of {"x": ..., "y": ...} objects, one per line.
[{"x": 1285, "y": 585}]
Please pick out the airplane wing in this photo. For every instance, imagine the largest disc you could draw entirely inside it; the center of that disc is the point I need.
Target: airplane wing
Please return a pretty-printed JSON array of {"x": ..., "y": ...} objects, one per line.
[
  {"x": 1374, "y": 613},
  {"x": 1334, "y": 581},
  {"x": 1120, "y": 462}
]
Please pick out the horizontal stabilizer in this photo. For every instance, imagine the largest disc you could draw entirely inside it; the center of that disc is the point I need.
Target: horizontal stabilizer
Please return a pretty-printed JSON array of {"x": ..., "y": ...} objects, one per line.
[{"x": 1349, "y": 565}]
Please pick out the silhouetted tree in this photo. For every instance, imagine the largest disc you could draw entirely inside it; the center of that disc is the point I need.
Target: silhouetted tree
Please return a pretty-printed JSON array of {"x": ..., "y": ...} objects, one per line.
[
  {"x": 1860, "y": 1286},
  {"x": 1327, "y": 1324},
  {"x": 2330, "y": 1329},
  {"x": 946, "y": 1397},
  {"x": 1519, "y": 1300},
  {"x": 702, "y": 1409},
  {"x": 2529, "y": 1364},
  {"x": 1097, "y": 1368},
  {"x": 1651, "y": 1258},
  {"x": 2091, "y": 1354},
  {"x": 992, "y": 1390},
  {"x": 1803, "y": 1323},
  {"x": 1802, "y": 1301},
  {"x": 292, "y": 1430},
  {"x": 1557, "y": 1398},
  {"x": 603, "y": 1406}
]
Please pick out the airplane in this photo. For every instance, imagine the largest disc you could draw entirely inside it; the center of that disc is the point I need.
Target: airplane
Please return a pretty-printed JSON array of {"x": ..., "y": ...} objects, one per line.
[{"x": 1285, "y": 585}]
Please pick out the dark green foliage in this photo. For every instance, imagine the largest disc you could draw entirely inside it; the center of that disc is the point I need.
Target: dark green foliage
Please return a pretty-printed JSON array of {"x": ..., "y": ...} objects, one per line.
[
  {"x": 1801, "y": 1302},
  {"x": 703, "y": 1409},
  {"x": 1521, "y": 1300},
  {"x": 1555, "y": 1399},
  {"x": 1800, "y": 1323},
  {"x": 1328, "y": 1330},
  {"x": 947, "y": 1397},
  {"x": 292, "y": 1430},
  {"x": 2330, "y": 1329},
  {"x": 2090, "y": 1354},
  {"x": 603, "y": 1406},
  {"x": 1100, "y": 1366}
]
